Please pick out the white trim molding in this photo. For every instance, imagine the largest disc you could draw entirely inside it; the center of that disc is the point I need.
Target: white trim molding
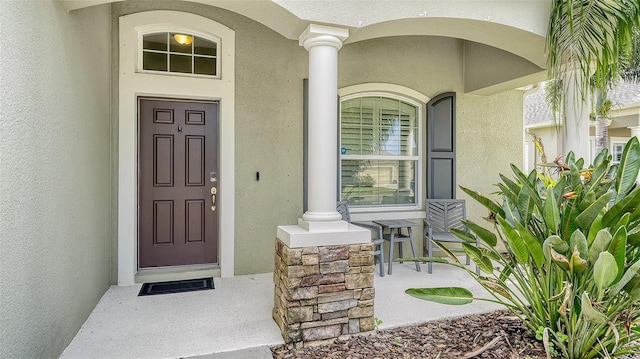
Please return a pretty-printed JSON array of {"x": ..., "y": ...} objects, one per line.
[
  {"x": 133, "y": 84},
  {"x": 383, "y": 87}
]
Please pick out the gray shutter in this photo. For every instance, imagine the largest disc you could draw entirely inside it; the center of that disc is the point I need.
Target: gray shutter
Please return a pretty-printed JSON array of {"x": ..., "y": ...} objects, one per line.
[{"x": 441, "y": 146}]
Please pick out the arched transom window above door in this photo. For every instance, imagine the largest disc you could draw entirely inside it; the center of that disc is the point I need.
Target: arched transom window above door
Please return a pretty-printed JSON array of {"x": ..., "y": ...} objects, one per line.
[{"x": 183, "y": 53}]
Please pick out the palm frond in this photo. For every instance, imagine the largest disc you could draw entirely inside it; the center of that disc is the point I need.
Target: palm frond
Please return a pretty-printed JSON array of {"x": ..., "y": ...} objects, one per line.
[
  {"x": 584, "y": 35},
  {"x": 631, "y": 64}
]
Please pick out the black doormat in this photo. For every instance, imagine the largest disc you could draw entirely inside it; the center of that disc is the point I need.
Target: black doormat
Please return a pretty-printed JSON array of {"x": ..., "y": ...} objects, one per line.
[{"x": 178, "y": 286}]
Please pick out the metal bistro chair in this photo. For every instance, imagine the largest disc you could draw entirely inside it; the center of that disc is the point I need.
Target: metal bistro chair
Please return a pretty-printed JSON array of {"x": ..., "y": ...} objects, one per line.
[
  {"x": 443, "y": 215},
  {"x": 343, "y": 208}
]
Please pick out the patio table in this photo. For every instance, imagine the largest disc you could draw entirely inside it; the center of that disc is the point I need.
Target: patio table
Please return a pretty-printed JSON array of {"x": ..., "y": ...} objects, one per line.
[{"x": 395, "y": 236}]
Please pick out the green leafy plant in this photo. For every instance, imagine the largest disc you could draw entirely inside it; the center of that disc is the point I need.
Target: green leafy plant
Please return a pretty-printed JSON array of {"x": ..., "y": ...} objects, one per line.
[
  {"x": 572, "y": 261},
  {"x": 377, "y": 322},
  {"x": 552, "y": 350}
]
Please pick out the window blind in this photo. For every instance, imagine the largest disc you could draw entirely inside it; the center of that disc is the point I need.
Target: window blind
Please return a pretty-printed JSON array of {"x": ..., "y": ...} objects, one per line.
[{"x": 379, "y": 151}]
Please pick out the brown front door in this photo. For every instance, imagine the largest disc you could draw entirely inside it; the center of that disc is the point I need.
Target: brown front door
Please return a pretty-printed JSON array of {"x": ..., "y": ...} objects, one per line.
[{"x": 178, "y": 165}]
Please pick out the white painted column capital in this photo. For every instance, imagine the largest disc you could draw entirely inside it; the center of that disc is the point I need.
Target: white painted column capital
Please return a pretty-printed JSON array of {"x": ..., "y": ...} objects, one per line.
[{"x": 320, "y": 35}]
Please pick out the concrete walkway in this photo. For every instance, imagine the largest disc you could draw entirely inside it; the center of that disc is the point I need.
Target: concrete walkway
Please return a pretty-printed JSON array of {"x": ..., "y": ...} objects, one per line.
[{"x": 234, "y": 320}]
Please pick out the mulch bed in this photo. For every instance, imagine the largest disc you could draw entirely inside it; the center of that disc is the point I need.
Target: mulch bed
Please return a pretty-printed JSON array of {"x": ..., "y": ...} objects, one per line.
[{"x": 492, "y": 335}]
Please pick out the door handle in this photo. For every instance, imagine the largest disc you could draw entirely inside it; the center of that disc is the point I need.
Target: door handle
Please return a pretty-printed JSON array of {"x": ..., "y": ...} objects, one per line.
[{"x": 214, "y": 191}]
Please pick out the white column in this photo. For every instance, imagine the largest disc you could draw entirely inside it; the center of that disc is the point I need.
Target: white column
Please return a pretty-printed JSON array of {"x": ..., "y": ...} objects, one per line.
[
  {"x": 575, "y": 134},
  {"x": 322, "y": 225},
  {"x": 323, "y": 43},
  {"x": 635, "y": 131},
  {"x": 576, "y": 128}
]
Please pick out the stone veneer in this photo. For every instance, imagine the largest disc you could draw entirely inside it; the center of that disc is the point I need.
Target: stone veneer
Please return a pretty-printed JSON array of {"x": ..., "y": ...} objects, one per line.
[{"x": 323, "y": 292}]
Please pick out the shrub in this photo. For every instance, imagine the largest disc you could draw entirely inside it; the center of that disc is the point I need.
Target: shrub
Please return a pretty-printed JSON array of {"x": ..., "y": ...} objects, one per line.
[{"x": 572, "y": 261}]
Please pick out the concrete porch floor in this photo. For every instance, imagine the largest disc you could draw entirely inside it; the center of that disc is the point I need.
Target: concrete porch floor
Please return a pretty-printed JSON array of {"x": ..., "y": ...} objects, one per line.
[{"x": 234, "y": 320}]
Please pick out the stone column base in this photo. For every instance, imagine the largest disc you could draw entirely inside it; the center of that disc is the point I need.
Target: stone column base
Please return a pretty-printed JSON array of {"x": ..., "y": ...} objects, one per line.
[{"x": 323, "y": 292}]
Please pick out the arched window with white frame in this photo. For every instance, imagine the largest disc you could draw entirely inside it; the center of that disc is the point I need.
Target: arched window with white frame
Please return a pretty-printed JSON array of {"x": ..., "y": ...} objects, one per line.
[{"x": 380, "y": 150}]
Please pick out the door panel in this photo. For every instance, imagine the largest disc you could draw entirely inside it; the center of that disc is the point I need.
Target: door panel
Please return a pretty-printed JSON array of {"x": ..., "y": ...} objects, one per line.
[
  {"x": 194, "y": 159},
  {"x": 163, "y": 222},
  {"x": 163, "y": 160},
  {"x": 178, "y": 222},
  {"x": 195, "y": 218}
]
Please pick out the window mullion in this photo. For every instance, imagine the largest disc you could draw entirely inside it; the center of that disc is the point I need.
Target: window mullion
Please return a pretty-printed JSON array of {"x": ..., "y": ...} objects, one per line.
[
  {"x": 168, "y": 52},
  {"x": 193, "y": 56}
]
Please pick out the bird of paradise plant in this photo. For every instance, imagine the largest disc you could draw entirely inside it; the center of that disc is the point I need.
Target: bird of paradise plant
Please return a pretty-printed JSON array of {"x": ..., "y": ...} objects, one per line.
[{"x": 572, "y": 261}]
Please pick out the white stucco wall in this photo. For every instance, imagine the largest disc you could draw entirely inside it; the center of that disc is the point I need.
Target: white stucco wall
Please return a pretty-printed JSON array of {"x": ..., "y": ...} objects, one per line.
[
  {"x": 269, "y": 73},
  {"x": 54, "y": 173},
  {"x": 490, "y": 138}
]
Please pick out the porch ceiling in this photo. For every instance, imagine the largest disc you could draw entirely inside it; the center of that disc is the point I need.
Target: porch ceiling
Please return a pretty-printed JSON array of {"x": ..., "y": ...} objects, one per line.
[{"x": 515, "y": 27}]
